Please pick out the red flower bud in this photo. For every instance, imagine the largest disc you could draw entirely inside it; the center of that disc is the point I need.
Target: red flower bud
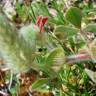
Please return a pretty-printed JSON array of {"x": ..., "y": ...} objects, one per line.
[{"x": 40, "y": 21}]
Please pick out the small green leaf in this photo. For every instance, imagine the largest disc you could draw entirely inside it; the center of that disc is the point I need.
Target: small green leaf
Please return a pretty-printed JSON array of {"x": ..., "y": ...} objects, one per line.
[
  {"x": 90, "y": 28},
  {"x": 66, "y": 31},
  {"x": 74, "y": 16},
  {"x": 39, "y": 83},
  {"x": 55, "y": 58}
]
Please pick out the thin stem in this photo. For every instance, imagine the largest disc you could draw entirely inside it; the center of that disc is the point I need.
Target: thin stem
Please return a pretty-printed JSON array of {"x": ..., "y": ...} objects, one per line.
[
  {"x": 63, "y": 45},
  {"x": 54, "y": 37}
]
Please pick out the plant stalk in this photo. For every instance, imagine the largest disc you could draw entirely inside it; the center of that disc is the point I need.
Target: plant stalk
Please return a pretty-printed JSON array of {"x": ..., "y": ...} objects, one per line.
[{"x": 77, "y": 58}]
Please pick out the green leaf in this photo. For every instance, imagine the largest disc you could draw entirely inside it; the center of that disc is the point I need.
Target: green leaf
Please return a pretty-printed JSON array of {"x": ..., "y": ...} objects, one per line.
[
  {"x": 74, "y": 16},
  {"x": 65, "y": 31},
  {"x": 90, "y": 28},
  {"x": 55, "y": 21},
  {"x": 55, "y": 59},
  {"x": 39, "y": 83},
  {"x": 60, "y": 16},
  {"x": 40, "y": 9}
]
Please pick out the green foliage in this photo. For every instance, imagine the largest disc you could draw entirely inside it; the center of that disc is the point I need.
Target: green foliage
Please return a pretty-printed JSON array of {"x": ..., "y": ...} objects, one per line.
[
  {"x": 55, "y": 58},
  {"x": 39, "y": 83},
  {"x": 65, "y": 31},
  {"x": 74, "y": 16},
  {"x": 49, "y": 52},
  {"x": 44, "y": 9},
  {"x": 21, "y": 12},
  {"x": 90, "y": 28}
]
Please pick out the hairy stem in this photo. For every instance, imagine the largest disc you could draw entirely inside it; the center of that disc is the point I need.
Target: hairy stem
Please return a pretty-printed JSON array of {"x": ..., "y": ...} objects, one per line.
[{"x": 77, "y": 58}]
